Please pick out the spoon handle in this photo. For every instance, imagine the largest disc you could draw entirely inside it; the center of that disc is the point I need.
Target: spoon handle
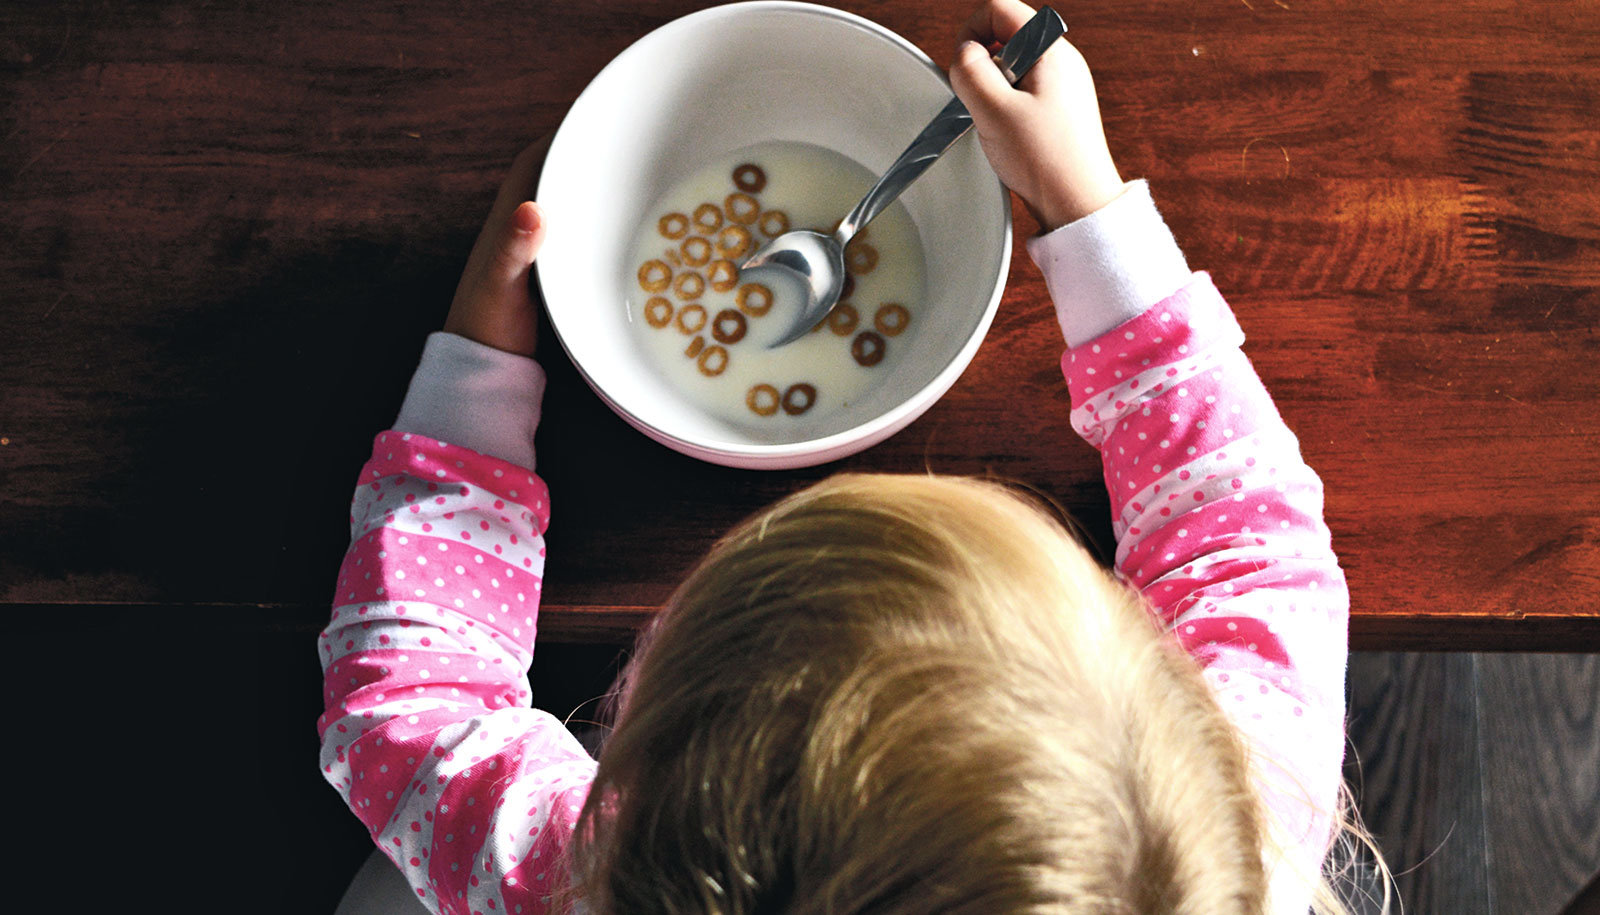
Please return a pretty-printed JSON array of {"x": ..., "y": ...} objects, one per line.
[{"x": 951, "y": 123}]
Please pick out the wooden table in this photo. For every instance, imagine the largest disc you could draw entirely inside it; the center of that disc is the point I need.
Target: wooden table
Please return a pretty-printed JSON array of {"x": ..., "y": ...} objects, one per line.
[
  {"x": 228, "y": 227},
  {"x": 225, "y": 229}
]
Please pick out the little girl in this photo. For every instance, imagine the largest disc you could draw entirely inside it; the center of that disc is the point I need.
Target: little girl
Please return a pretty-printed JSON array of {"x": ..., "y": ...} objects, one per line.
[{"x": 886, "y": 693}]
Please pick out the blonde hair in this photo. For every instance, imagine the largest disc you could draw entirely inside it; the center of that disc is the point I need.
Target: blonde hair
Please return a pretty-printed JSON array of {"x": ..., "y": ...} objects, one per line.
[{"x": 913, "y": 694}]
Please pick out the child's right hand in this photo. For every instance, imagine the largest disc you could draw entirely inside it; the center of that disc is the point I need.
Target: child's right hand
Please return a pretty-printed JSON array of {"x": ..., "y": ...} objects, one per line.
[{"x": 1044, "y": 137}]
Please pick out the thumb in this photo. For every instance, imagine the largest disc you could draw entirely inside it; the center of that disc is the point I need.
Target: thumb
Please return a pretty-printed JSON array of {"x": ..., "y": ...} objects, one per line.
[
  {"x": 980, "y": 85},
  {"x": 519, "y": 243}
]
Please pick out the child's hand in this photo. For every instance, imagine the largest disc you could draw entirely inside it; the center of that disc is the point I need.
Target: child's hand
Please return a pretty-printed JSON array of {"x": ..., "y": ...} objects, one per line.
[
  {"x": 493, "y": 304},
  {"x": 1044, "y": 138}
]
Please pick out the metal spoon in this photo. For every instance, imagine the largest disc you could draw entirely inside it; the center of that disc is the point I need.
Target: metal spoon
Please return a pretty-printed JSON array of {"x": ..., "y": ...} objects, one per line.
[{"x": 817, "y": 260}]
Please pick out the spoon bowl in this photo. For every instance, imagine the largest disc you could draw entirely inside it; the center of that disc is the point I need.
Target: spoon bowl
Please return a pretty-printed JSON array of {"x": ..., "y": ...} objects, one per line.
[{"x": 817, "y": 262}]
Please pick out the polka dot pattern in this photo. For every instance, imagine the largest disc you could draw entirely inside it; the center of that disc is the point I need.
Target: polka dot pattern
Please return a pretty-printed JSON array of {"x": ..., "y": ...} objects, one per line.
[
  {"x": 1219, "y": 523},
  {"x": 428, "y": 734}
]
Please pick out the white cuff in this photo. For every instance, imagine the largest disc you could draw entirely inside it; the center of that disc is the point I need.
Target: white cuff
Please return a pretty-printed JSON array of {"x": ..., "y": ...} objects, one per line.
[
  {"x": 1109, "y": 266},
  {"x": 473, "y": 395}
]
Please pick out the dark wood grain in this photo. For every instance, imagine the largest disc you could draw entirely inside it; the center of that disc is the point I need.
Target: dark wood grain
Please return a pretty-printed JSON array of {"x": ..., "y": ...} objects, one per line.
[
  {"x": 1479, "y": 775},
  {"x": 1415, "y": 761},
  {"x": 1541, "y": 753},
  {"x": 225, "y": 229}
]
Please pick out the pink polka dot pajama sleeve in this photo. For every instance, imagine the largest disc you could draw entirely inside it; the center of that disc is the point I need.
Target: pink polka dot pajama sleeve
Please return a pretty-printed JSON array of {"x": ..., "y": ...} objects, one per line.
[
  {"x": 428, "y": 734},
  {"x": 1219, "y": 524}
]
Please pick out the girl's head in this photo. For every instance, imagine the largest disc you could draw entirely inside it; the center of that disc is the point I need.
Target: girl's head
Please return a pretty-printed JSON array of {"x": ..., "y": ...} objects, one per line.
[{"x": 915, "y": 694}]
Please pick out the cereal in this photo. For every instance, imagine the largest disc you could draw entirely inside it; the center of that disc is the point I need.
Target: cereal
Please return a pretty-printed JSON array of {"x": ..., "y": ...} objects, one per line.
[
  {"x": 733, "y": 241},
  {"x": 689, "y": 285},
  {"x": 891, "y": 319},
  {"x": 741, "y": 208},
  {"x": 762, "y": 399},
  {"x": 749, "y": 177},
  {"x": 729, "y": 326},
  {"x": 654, "y": 276},
  {"x": 688, "y": 251},
  {"x": 724, "y": 276},
  {"x": 842, "y": 320},
  {"x": 696, "y": 251},
  {"x": 861, "y": 257},
  {"x": 867, "y": 348},
  {"x": 713, "y": 360},
  {"x": 799, "y": 398},
  {"x": 773, "y": 223},
  {"x": 658, "y": 311},
  {"x": 673, "y": 225},
  {"x": 691, "y": 318},
  {"x": 707, "y": 218},
  {"x": 754, "y": 299}
]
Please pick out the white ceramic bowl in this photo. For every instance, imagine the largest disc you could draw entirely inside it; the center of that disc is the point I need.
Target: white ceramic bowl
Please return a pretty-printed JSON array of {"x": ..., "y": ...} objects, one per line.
[{"x": 719, "y": 80}]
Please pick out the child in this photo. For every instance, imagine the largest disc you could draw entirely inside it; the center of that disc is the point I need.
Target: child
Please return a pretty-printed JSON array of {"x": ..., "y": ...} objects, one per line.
[{"x": 884, "y": 694}]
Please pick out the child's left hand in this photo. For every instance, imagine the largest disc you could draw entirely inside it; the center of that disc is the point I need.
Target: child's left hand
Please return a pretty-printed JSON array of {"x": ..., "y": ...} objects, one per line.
[{"x": 493, "y": 304}]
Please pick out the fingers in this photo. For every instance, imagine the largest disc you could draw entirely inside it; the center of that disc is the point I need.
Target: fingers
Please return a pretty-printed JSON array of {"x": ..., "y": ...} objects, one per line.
[
  {"x": 518, "y": 244},
  {"x": 514, "y": 231},
  {"x": 521, "y": 179},
  {"x": 492, "y": 303},
  {"x": 980, "y": 85},
  {"x": 996, "y": 21}
]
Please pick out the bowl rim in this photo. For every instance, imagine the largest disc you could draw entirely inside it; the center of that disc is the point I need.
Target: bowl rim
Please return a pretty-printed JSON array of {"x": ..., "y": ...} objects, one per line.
[{"x": 822, "y": 449}]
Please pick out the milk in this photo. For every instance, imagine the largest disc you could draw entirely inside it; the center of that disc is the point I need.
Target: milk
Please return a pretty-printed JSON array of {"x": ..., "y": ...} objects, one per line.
[{"x": 814, "y": 187}]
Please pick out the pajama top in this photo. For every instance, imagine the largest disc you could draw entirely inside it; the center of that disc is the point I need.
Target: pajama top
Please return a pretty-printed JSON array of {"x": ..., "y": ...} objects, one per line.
[{"x": 428, "y": 733}]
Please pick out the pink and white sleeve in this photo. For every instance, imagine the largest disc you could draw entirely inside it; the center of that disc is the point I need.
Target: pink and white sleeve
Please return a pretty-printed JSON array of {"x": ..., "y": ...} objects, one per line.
[
  {"x": 1219, "y": 524},
  {"x": 1217, "y": 518},
  {"x": 428, "y": 734}
]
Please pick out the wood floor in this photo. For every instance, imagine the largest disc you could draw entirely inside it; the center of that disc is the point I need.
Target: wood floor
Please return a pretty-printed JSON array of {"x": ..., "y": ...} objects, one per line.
[{"x": 1479, "y": 774}]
